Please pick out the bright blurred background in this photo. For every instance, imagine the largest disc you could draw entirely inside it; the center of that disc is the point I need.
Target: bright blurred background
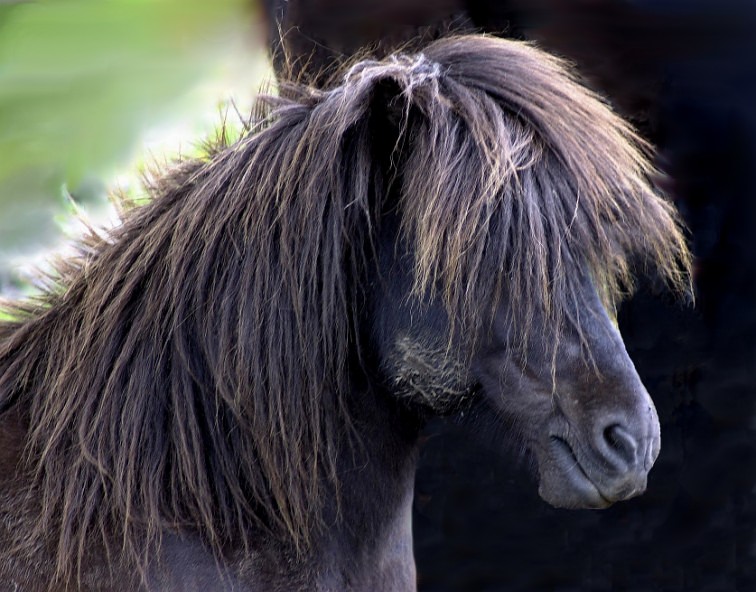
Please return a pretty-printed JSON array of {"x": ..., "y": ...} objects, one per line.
[{"x": 92, "y": 90}]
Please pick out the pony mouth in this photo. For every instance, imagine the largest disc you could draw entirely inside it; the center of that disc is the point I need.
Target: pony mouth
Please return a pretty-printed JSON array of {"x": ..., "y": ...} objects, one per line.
[{"x": 575, "y": 489}]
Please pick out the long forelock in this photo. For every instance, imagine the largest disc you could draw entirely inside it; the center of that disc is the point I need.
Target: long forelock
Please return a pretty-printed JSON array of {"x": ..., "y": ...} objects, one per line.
[{"x": 521, "y": 189}]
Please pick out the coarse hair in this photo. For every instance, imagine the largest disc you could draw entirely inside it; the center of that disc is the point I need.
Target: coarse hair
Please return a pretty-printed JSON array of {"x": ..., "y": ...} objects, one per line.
[{"x": 190, "y": 368}]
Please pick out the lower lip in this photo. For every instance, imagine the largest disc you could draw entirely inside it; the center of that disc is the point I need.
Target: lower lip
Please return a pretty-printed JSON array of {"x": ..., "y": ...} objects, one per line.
[{"x": 575, "y": 476}]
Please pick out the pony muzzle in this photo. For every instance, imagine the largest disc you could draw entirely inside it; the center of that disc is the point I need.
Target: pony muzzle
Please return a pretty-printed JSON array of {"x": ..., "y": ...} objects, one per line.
[{"x": 608, "y": 466}]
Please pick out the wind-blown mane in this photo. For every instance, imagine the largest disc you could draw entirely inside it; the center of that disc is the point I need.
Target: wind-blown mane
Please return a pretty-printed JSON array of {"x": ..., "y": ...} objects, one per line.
[{"x": 191, "y": 369}]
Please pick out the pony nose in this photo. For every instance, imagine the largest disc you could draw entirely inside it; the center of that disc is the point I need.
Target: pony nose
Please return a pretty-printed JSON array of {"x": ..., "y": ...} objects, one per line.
[
  {"x": 621, "y": 448},
  {"x": 627, "y": 451},
  {"x": 628, "y": 444}
]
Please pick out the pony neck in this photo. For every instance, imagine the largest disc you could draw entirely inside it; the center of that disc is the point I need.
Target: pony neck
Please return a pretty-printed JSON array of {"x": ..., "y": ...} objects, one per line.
[{"x": 371, "y": 546}]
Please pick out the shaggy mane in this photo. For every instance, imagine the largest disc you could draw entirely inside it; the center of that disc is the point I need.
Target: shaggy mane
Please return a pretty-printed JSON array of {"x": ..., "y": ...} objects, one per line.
[{"x": 191, "y": 368}]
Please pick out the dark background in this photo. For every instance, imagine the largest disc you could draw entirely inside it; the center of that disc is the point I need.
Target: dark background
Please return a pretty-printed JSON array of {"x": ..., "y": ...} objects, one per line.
[{"x": 685, "y": 73}]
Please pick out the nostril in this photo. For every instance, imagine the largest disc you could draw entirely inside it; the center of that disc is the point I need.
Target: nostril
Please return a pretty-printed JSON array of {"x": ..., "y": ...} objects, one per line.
[{"x": 621, "y": 444}]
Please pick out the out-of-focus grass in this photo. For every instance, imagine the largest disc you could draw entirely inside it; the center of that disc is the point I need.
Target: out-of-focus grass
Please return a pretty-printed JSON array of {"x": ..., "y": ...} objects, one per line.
[{"x": 85, "y": 83}]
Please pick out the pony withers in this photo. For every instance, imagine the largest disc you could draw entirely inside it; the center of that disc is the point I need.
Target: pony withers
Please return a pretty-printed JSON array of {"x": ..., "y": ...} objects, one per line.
[{"x": 226, "y": 391}]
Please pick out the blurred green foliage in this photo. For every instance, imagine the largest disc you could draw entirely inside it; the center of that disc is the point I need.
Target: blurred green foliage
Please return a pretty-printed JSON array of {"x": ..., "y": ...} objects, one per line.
[{"x": 81, "y": 81}]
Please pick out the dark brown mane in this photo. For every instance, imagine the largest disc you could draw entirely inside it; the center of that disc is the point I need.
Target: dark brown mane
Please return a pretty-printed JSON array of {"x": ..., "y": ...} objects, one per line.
[{"x": 190, "y": 369}]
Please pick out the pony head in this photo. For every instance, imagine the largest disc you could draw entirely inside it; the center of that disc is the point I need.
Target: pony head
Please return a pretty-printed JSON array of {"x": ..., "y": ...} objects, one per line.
[{"x": 519, "y": 207}]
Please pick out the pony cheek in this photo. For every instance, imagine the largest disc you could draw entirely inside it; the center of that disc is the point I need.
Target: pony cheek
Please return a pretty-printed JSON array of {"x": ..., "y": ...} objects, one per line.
[
  {"x": 514, "y": 392},
  {"x": 428, "y": 377}
]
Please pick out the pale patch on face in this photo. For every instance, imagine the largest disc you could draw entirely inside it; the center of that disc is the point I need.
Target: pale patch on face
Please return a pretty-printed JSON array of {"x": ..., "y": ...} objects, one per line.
[{"x": 429, "y": 376}]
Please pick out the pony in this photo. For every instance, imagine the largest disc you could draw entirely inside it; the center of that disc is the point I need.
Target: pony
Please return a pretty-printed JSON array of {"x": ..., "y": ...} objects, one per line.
[{"x": 226, "y": 390}]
